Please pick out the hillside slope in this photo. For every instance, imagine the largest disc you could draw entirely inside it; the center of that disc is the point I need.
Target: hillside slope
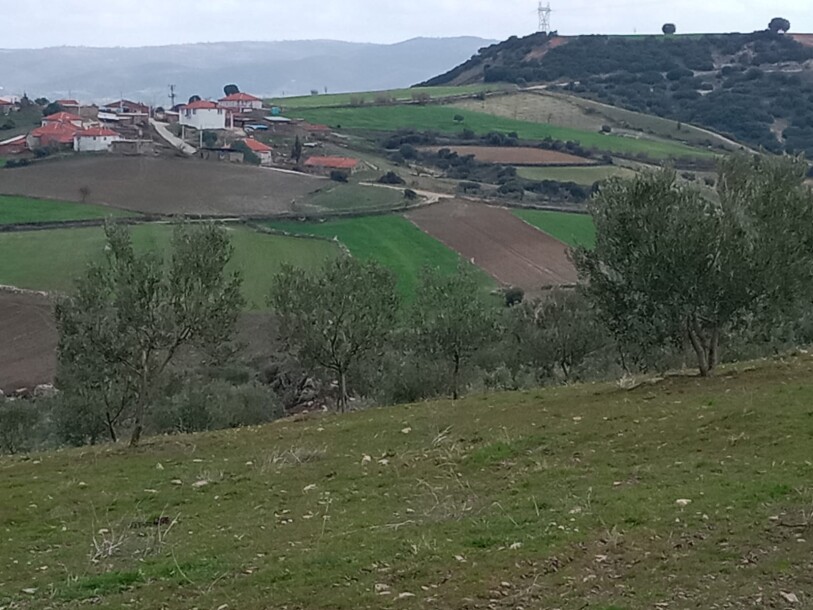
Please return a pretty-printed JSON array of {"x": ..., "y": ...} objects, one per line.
[
  {"x": 680, "y": 494},
  {"x": 757, "y": 88}
]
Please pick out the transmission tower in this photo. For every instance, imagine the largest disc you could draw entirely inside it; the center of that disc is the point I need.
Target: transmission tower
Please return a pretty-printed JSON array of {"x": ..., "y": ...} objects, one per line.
[
  {"x": 172, "y": 95},
  {"x": 544, "y": 17}
]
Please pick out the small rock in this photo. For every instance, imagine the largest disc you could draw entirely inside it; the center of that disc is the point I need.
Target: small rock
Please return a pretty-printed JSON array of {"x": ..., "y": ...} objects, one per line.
[
  {"x": 515, "y": 546},
  {"x": 789, "y": 597},
  {"x": 310, "y": 487},
  {"x": 406, "y": 430},
  {"x": 176, "y": 482},
  {"x": 405, "y": 595},
  {"x": 199, "y": 484},
  {"x": 381, "y": 588},
  {"x": 30, "y": 590},
  {"x": 683, "y": 502},
  {"x": 82, "y": 484},
  {"x": 159, "y": 466},
  {"x": 366, "y": 459}
]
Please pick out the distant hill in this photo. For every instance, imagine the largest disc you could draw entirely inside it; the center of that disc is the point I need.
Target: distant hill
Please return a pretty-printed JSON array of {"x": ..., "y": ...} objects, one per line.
[
  {"x": 264, "y": 68},
  {"x": 757, "y": 88}
]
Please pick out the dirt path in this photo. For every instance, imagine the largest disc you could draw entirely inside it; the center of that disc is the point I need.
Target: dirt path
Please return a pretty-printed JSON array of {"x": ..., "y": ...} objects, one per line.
[
  {"x": 177, "y": 143},
  {"x": 510, "y": 250}
]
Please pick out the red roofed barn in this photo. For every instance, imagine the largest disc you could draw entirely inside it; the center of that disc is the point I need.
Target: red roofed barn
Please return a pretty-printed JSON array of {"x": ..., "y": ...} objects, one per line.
[
  {"x": 263, "y": 151},
  {"x": 52, "y": 134},
  {"x": 94, "y": 139}
]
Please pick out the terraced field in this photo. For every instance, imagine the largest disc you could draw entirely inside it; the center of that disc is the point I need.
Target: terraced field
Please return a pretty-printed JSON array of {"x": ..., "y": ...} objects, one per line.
[
  {"x": 16, "y": 210},
  {"x": 370, "y": 97},
  {"x": 585, "y": 176}
]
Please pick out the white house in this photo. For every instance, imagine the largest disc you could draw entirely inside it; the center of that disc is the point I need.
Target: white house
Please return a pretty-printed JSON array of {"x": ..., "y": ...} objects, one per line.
[
  {"x": 241, "y": 102},
  {"x": 263, "y": 151},
  {"x": 203, "y": 115},
  {"x": 95, "y": 139}
]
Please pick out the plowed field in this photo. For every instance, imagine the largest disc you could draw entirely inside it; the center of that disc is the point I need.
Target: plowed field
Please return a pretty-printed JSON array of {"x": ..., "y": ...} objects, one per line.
[
  {"x": 510, "y": 250},
  {"x": 27, "y": 340}
]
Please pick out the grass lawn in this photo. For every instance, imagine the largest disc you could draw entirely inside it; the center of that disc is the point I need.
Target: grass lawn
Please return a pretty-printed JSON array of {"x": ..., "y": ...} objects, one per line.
[
  {"x": 572, "y": 229},
  {"x": 369, "y": 97},
  {"x": 338, "y": 197},
  {"x": 51, "y": 260},
  {"x": 391, "y": 240},
  {"x": 580, "y": 175},
  {"x": 441, "y": 119},
  {"x": 25, "y": 209},
  {"x": 687, "y": 493}
]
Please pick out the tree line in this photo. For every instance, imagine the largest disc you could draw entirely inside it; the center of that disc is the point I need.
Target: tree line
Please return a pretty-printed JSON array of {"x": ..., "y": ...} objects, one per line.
[{"x": 677, "y": 277}]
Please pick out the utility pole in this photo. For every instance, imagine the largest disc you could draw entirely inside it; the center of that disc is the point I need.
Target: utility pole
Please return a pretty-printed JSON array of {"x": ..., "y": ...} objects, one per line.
[
  {"x": 544, "y": 17},
  {"x": 172, "y": 96}
]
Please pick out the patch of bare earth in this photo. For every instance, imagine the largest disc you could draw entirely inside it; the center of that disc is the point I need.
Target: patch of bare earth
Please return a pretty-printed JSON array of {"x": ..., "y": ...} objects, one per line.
[
  {"x": 519, "y": 155},
  {"x": 510, "y": 250},
  {"x": 27, "y": 340},
  {"x": 162, "y": 186}
]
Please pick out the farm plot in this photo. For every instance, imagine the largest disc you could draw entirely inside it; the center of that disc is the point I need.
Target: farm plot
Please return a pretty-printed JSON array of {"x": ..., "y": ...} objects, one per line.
[
  {"x": 392, "y": 241},
  {"x": 535, "y": 109},
  {"x": 510, "y": 250},
  {"x": 519, "y": 155},
  {"x": 347, "y": 197},
  {"x": 27, "y": 340},
  {"x": 371, "y": 97},
  {"x": 51, "y": 260},
  {"x": 442, "y": 119},
  {"x": 18, "y": 210},
  {"x": 162, "y": 186},
  {"x": 572, "y": 229},
  {"x": 585, "y": 176}
]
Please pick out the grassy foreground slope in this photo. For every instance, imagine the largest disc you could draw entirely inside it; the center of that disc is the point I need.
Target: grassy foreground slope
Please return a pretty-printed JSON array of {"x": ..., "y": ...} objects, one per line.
[{"x": 682, "y": 494}]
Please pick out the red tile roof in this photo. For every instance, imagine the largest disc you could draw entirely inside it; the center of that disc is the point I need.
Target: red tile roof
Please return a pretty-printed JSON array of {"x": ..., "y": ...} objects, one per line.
[
  {"x": 67, "y": 102},
  {"x": 5, "y": 103},
  {"x": 58, "y": 132},
  {"x": 96, "y": 132},
  {"x": 62, "y": 117},
  {"x": 316, "y": 127},
  {"x": 332, "y": 162},
  {"x": 257, "y": 146},
  {"x": 200, "y": 105},
  {"x": 240, "y": 97}
]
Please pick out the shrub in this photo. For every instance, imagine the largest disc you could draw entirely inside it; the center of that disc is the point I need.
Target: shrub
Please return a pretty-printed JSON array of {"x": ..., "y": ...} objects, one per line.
[
  {"x": 338, "y": 175},
  {"x": 391, "y": 178},
  {"x": 17, "y": 418}
]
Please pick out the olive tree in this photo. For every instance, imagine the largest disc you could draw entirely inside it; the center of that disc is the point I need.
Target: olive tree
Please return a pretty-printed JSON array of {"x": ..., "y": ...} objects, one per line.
[
  {"x": 779, "y": 24},
  {"x": 671, "y": 264},
  {"x": 669, "y": 28},
  {"x": 131, "y": 315},
  {"x": 336, "y": 317},
  {"x": 450, "y": 319}
]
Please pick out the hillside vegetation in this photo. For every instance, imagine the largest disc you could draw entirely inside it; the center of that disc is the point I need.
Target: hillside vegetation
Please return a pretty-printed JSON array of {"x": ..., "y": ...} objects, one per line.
[
  {"x": 755, "y": 87},
  {"x": 678, "y": 494}
]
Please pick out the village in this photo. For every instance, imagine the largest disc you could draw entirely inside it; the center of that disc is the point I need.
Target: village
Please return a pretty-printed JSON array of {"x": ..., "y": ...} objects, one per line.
[{"x": 237, "y": 128}]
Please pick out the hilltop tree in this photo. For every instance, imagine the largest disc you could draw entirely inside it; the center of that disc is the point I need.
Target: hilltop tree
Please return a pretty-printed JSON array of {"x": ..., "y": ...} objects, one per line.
[
  {"x": 670, "y": 265},
  {"x": 779, "y": 24},
  {"x": 449, "y": 321},
  {"x": 193, "y": 99},
  {"x": 52, "y": 108},
  {"x": 231, "y": 90},
  {"x": 337, "y": 317},
  {"x": 132, "y": 314},
  {"x": 669, "y": 28}
]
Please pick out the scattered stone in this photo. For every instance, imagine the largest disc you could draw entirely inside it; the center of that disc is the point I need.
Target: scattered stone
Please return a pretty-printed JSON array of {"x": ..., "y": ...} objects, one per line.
[
  {"x": 516, "y": 546},
  {"x": 683, "y": 502},
  {"x": 82, "y": 484},
  {"x": 791, "y": 598},
  {"x": 30, "y": 590},
  {"x": 310, "y": 487},
  {"x": 406, "y": 430},
  {"x": 405, "y": 595},
  {"x": 199, "y": 484},
  {"x": 176, "y": 482},
  {"x": 366, "y": 459},
  {"x": 159, "y": 466}
]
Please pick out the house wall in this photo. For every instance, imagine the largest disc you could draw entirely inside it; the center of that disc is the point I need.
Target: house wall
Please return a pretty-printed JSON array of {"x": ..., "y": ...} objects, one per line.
[
  {"x": 240, "y": 105},
  {"x": 204, "y": 118},
  {"x": 93, "y": 143}
]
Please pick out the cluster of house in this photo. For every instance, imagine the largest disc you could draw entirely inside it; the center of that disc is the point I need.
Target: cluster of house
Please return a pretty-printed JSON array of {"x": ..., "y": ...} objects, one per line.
[{"x": 120, "y": 127}]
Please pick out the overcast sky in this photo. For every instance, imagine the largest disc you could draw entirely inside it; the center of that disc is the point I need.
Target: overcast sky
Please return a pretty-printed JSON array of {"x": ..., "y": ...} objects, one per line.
[{"x": 40, "y": 23}]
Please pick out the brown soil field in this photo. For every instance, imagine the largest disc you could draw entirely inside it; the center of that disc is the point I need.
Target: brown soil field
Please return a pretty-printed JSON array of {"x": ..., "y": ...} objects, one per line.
[
  {"x": 27, "y": 340},
  {"x": 162, "y": 186},
  {"x": 518, "y": 155},
  {"x": 510, "y": 250},
  {"x": 805, "y": 39}
]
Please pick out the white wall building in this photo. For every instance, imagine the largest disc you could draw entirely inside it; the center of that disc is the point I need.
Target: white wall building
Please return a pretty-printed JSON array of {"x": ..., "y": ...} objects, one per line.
[
  {"x": 241, "y": 102},
  {"x": 203, "y": 115},
  {"x": 96, "y": 139}
]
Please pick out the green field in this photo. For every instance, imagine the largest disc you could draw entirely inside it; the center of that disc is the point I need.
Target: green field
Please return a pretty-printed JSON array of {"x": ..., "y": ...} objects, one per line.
[
  {"x": 51, "y": 260},
  {"x": 15, "y": 210},
  {"x": 342, "y": 197},
  {"x": 441, "y": 119},
  {"x": 684, "y": 493},
  {"x": 572, "y": 229},
  {"x": 580, "y": 175},
  {"x": 392, "y": 241},
  {"x": 369, "y": 97}
]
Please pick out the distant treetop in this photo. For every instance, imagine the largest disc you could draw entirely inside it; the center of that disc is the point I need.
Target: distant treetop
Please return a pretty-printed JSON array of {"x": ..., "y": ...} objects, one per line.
[
  {"x": 669, "y": 28},
  {"x": 231, "y": 90},
  {"x": 779, "y": 24}
]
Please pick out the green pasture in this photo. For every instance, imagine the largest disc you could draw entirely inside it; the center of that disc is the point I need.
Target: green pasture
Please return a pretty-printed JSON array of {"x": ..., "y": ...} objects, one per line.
[
  {"x": 585, "y": 176},
  {"x": 370, "y": 97},
  {"x": 344, "y": 197},
  {"x": 572, "y": 229},
  {"x": 15, "y": 210},
  {"x": 442, "y": 119},
  {"x": 51, "y": 260}
]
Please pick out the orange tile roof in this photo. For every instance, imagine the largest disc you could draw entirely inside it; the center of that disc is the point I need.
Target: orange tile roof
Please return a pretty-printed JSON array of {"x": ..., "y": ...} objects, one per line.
[
  {"x": 240, "y": 97},
  {"x": 257, "y": 146}
]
